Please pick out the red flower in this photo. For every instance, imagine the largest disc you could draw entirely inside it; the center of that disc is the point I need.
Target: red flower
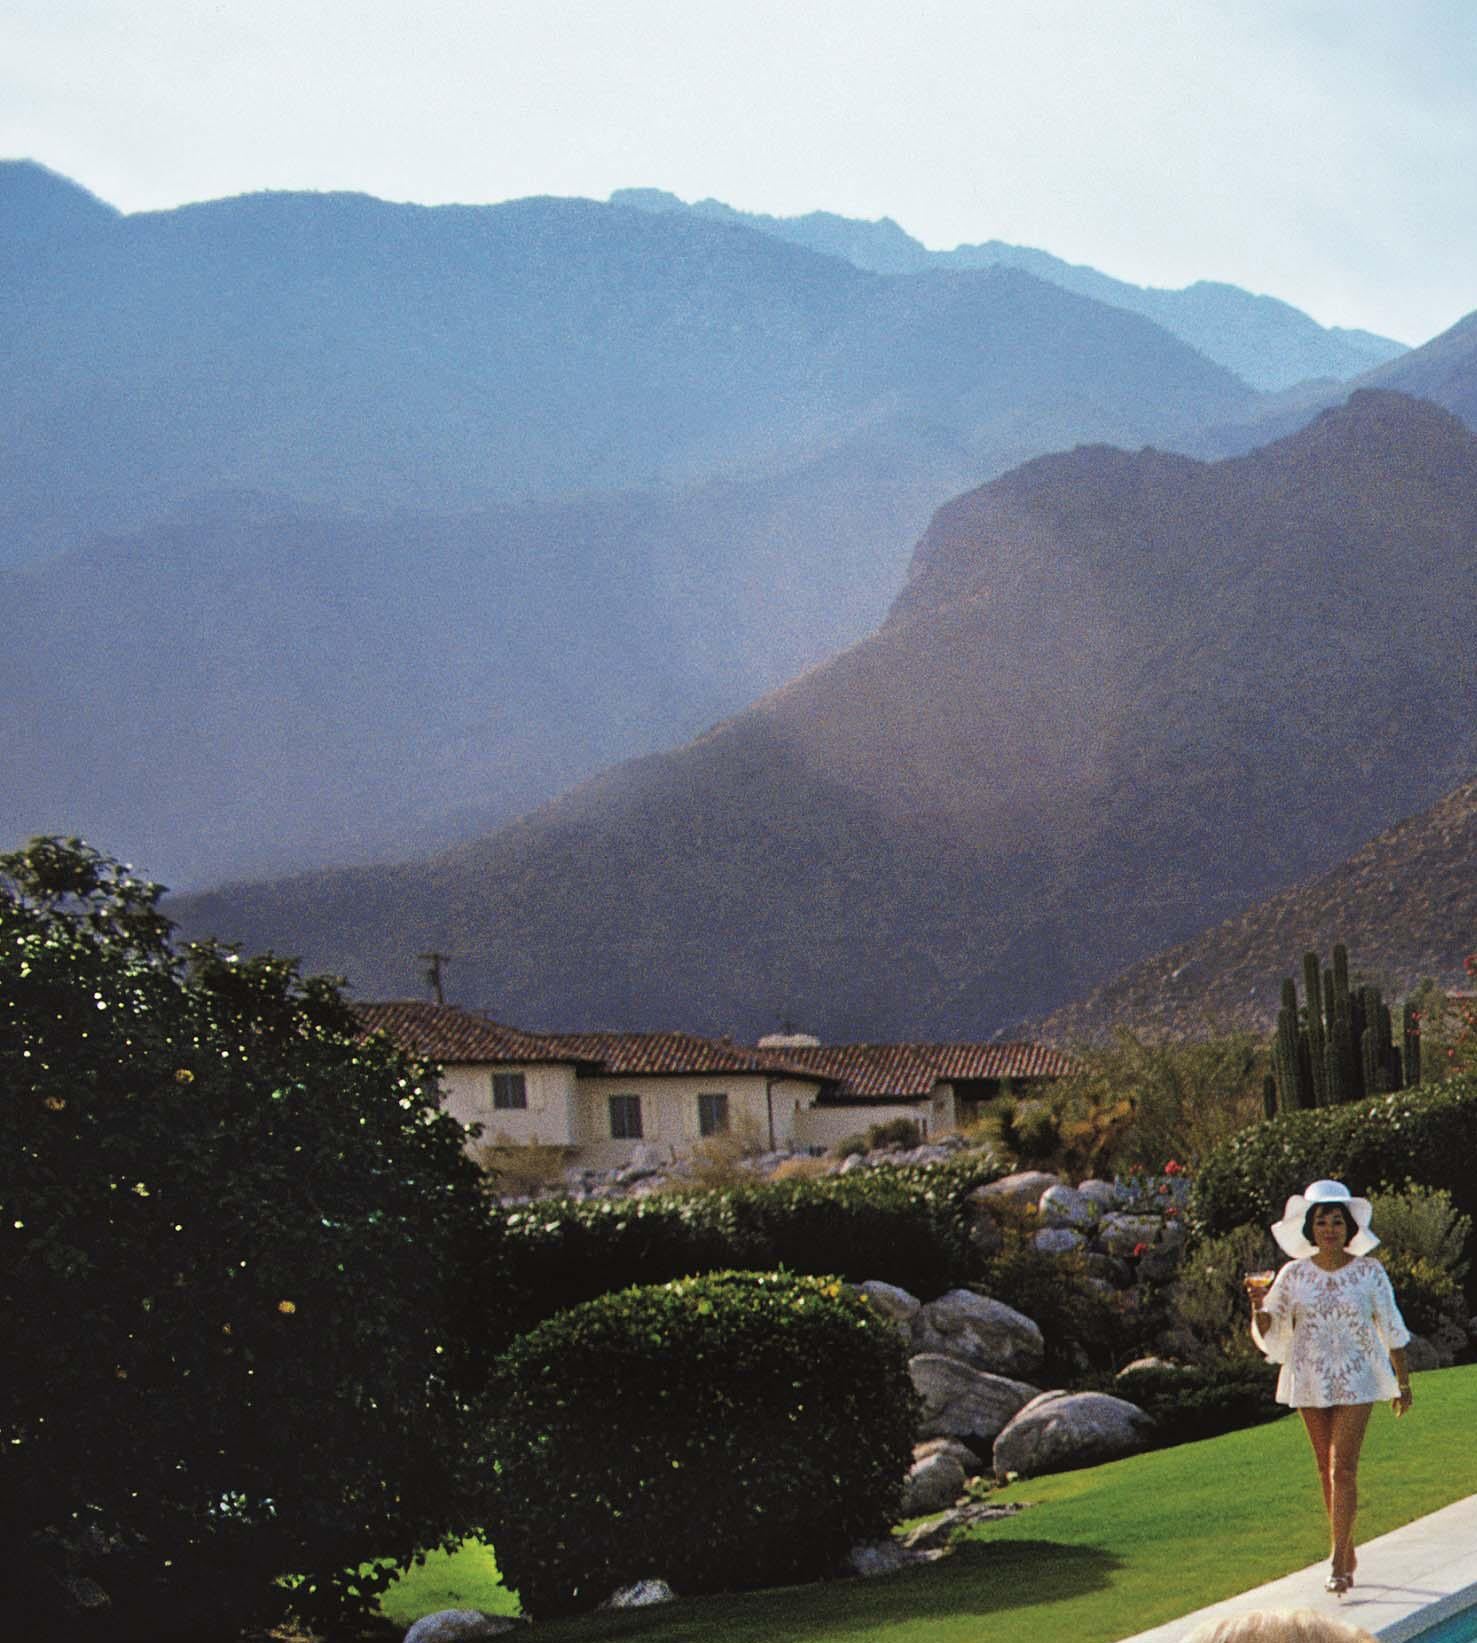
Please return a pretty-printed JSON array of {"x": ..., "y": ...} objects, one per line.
[
  {"x": 1141, "y": 1249},
  {"x": 1172, "y": 1168}
]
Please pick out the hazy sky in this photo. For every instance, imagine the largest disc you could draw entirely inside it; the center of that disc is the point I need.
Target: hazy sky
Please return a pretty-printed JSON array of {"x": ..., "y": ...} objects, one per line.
[{"x": 1321, "y": 150}]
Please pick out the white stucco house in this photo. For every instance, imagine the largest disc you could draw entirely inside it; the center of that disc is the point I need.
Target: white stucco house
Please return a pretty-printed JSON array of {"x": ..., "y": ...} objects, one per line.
[{"x": 604, "y": 1095}]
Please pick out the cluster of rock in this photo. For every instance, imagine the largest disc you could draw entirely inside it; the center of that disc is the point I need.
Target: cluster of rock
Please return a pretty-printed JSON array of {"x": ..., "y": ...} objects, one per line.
[
  {"x": 972, "y": 1362},
  {"x": 1129, "y": 1230}
]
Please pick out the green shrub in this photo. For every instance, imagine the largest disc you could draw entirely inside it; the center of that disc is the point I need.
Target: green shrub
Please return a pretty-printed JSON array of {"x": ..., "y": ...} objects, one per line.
[
  {"x": 1427, "y": 1134},
  {"x": 1430, "y": 1299},
  {"x": 901, "y": 1133},
  {"x": 1208, "y": 1302},
  {"x": 721, "y": 1432},
  {"x": 230, "y": 1229},
  {"x": 907, "y": 1225},
  {"x": 1423, "y": 1224},
  {"x": 1202, "y": 1402}
]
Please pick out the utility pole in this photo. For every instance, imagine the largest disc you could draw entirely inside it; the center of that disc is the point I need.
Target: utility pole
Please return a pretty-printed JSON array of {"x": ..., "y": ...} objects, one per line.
[{"x": 434, "y": 961}]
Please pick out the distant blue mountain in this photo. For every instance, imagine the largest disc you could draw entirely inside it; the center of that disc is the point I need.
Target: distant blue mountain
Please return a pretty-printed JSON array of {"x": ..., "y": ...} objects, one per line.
[
  {"x": 346, "y": 352},
  {"x": 1267, "y": 343}
]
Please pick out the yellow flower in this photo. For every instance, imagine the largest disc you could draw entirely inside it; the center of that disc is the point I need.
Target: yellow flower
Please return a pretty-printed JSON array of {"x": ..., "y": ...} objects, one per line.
[
  {"x": 54, "y": 1103},
  {"x": 184, "y": 1076},
  {"x": 286, "y": 1308}
]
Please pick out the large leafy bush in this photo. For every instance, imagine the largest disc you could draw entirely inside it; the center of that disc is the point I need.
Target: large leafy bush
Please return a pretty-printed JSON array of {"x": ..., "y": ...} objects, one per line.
[
  {"x": 719, "y": 1432},
  {"x": 228, "y": 1348}
]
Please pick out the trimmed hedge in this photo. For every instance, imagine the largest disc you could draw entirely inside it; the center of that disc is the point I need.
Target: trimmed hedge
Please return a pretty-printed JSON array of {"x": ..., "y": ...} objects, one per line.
[
  {"x": 907, "y": 1225},
  {"x": 1191, "y": 1404},
  {"x": 739, "y": 1429},
  {"x": 1427, "y": 1135}
]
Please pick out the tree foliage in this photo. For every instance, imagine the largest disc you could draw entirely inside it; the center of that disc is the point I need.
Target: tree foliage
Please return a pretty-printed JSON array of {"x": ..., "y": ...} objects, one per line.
[{"x": 228, "y": 1350}]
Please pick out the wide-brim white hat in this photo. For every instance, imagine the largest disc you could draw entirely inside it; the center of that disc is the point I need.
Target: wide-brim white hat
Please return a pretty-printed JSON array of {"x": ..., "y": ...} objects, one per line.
[{"x": 1289, "y": 1230}]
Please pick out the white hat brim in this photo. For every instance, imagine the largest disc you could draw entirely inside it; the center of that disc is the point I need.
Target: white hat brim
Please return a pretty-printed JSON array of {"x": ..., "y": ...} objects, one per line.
[{"x": 1289, "y": 1230}]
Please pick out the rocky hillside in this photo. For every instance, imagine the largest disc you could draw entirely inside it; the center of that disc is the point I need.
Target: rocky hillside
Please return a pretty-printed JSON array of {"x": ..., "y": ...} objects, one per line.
[
  {"x": 1123, "y": 696},
  {"x": 1405, "y": 905}
]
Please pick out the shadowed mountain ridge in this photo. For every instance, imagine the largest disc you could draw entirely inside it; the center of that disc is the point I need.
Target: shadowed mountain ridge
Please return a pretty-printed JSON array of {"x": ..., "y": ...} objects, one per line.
[{"x": 1123, "y": 696}]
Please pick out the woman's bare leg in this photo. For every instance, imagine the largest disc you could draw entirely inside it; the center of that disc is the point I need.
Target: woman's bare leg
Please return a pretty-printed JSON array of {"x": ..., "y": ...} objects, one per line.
[
  {"x": 1319, "y": 1425},
  {"x": 1347, "y": 1438}
]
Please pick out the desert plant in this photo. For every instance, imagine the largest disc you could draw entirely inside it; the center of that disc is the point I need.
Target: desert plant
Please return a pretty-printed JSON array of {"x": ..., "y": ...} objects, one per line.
[
  {"x": 728, "y": 1431},
  {"x": 1139, "y": 1100},
  {"x": 1339, "y": 1045},
  {"x": 233, "y": 1235}
]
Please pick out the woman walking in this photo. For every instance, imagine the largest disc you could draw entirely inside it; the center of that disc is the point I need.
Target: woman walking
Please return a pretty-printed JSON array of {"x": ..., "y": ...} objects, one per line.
[{"x": 1329, "y": 1318}]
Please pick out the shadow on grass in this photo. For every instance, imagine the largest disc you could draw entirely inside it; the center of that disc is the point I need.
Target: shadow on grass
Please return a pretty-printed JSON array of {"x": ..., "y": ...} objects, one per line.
[{"x": 980, "y": 1578}]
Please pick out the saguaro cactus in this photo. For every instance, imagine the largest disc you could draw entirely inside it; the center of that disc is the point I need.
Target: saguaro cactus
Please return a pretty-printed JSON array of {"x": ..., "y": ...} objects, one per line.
[{"x": 1339, "y": 1046}]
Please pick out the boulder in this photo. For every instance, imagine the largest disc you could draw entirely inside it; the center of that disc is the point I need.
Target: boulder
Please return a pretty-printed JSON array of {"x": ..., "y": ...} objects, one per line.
[
  {"x": 1122, "y": 1234},
  {"x": 640, "y": 1594},
  {"x": 1058, "y": 1240},
  {"x": 962, "y": 1402},
  {"x": 1024, "y": 1187},
  {"x": 896, "y": 1305},
  {"x": 1146, "y": 1363},
  {"x": 460, "y": 1626},
  {"x": 978, "y": 1331},
  {"x": 973, "y": 1466},
  {"x": 1063, "y": 1206},
  {"x": 1105, "y": 1194},
  {"x": 1059, "y": 1430},
  {"x": 932, "y": 1485}
]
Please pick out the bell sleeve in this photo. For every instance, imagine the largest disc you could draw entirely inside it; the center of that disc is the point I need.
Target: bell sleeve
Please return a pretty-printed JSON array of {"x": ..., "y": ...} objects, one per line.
[
  {"x": 1387, "y": 1320},
  {"x": 1276, "y": 1341}
]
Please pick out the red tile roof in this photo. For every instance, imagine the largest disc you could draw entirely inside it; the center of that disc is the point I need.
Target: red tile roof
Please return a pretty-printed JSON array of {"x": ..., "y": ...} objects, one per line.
[
  {"x": 901, "y": 1072},
  {"x": 441, "y": 1032},
  {"x": 854, "y": 1072},
  {"x": 629, "y": 1054}
]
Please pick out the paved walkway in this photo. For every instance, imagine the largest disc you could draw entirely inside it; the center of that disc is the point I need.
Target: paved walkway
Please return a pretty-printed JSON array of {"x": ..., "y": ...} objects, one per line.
[{"x": 1407, "y": 1580}]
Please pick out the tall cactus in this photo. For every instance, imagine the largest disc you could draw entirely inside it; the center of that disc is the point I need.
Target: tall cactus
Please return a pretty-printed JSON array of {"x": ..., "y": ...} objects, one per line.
[
  {"x": 1410, "y": 1035},
  {"x": 1340, "y": 1046}
]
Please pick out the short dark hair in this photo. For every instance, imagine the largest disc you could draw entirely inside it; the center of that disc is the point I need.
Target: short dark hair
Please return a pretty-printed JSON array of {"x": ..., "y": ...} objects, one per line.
[{"x": 1351, "y": 1226}]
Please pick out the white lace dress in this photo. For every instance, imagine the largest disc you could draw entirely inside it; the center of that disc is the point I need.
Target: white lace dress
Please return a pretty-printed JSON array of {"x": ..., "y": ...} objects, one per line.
[{"x": 1332, "y": 1332}]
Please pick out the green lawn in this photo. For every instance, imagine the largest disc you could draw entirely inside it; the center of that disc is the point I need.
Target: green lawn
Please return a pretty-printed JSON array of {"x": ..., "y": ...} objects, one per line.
[{"x": 1102, "y": 1553}]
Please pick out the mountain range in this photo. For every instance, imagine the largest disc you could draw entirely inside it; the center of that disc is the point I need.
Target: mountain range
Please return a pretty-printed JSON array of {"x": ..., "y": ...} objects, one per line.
[
  {"x": 1266, "y": 342},
  {"x": 340, "y": 351},
  {"x": 1122, "y": 695},
  {"x": 340, "y": 530}
]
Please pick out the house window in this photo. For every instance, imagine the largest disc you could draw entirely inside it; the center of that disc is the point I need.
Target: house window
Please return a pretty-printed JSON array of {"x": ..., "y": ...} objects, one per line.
[
  {"x": 509, "y": 1092},
  {"x": 712, "y": 1114},
  {"x": 625, "y": 1118}
]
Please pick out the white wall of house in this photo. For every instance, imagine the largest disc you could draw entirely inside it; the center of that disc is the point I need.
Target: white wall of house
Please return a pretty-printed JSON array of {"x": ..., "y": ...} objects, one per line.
[
  {"x": 670, "y": 1113},
  {"x": 825, "y": 1126},
  {"x": 549, "y": 1116}
]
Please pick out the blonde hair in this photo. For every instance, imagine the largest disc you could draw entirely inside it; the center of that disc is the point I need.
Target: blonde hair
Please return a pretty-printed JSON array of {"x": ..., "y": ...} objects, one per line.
[{"x": 1279, "y": 1626}]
